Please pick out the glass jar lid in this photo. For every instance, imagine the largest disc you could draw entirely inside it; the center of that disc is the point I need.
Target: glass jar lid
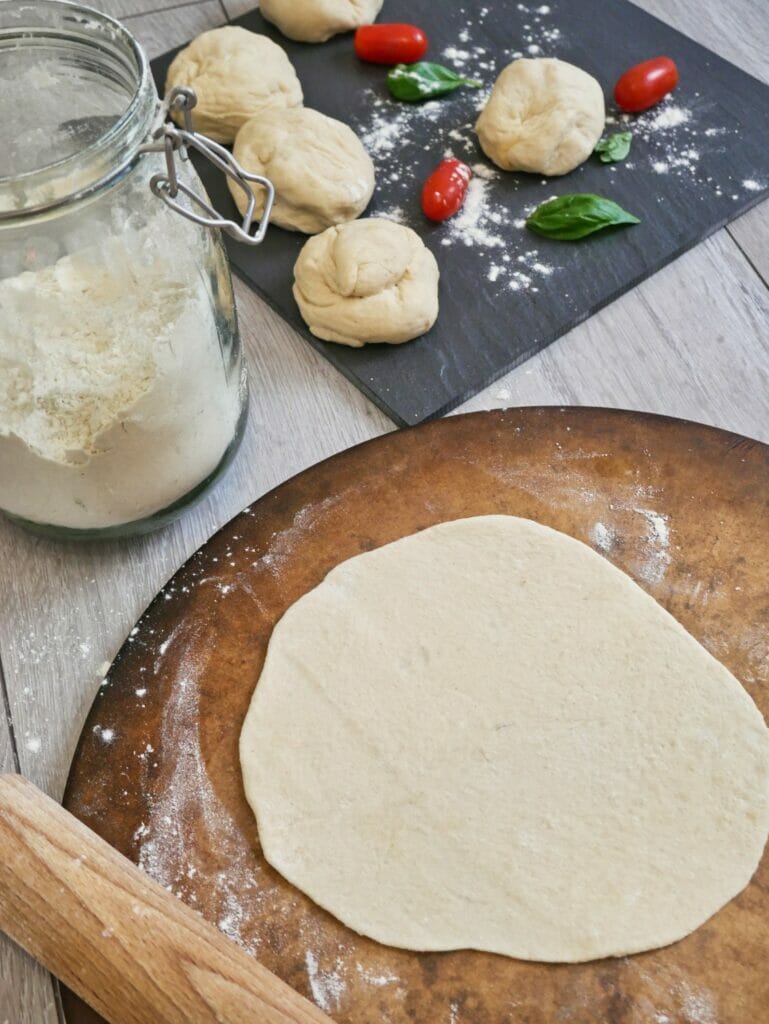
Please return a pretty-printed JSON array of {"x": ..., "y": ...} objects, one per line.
[
  {"x": 76, "y": 100},
  {"x": 78, "y": 107}
]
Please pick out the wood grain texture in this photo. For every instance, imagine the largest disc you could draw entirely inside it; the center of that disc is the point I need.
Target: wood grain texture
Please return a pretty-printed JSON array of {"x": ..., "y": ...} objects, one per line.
[
  {"x": 122, "y": 9},
  {"x": 162, "y": 29},
  {"x": 235, "y": 8},
  {"x": 164, "y": 731},
  {"x": 737, "y": 31},
  {"x": 26, "y": 990},
  {"x": 751, "y": 233},
  {"x": 131, "y": 949},
  {"x": 691, "y": 341}
]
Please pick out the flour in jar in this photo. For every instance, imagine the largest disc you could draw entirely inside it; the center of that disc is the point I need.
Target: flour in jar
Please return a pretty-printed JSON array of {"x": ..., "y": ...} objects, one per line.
[{"x": 114, "y": 396}]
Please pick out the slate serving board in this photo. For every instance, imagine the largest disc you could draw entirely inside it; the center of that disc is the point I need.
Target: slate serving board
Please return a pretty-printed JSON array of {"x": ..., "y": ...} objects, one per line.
[
  {"x": 502, "y": 302},
  {"x": 678, "y": 506}
]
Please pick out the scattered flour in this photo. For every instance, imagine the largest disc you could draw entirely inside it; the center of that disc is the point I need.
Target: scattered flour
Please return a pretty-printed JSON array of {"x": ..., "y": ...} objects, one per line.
[
  {"x": 489, "y": 227},
  {"x": 658, "y": 546},
  {"x": 489, "y": 222},
  {"x": 698, "y": 1006},
  {"x": 394, "y": 126},
  {"x": 476, "y": 224},
  {"x": 378, "y": 980},
  {"x": 673, "y": 143},
  {"x": 327, "y": 987},
  {"x": 395, "y": 213},
  {"x": 603, "y": 536},
  {"x": 670, "y": 117}
]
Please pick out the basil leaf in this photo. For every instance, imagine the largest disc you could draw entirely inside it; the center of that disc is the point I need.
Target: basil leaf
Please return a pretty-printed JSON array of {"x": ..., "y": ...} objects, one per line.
[
  {"x": 615, "y": 148},
  {"x": 424, "y": 81},
  {"x": 568, "y": 218}
]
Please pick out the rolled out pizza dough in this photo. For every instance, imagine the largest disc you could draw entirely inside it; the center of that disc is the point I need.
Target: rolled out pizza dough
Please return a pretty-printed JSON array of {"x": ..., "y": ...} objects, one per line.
[{"x": 486, "y": 736}]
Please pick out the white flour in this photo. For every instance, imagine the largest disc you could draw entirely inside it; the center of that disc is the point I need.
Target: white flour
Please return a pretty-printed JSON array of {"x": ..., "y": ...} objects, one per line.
[
  {"x": 490, "y": 227},
  {"x": 113, "y": 396},
  {"x": 671, "y": 140},
  {"x": 239, "y": 890},
  {"x": 327, "y": 987},
  {"x": 394, "y": 125},
  {"x": 668, "y": 138}
]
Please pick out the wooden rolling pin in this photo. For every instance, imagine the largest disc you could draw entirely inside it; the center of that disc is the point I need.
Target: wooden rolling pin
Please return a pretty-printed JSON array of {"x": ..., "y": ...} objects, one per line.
[{"x": 119, "y": 940}]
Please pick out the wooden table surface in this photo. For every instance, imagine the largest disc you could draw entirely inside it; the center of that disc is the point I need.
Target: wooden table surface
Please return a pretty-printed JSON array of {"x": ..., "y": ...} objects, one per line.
[{"x": 693, "y": 342}]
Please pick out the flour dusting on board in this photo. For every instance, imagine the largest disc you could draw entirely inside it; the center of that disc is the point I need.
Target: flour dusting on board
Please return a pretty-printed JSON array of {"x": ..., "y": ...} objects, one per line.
[
  {"x": 167, "y": 850},
  {"x": 603, "y": 537},
  {"x": 327, "y": 987},
  {"x": 658, "y": 545},
  {"x": 675, "y": 139},
  {"x": 625, "y": 522},
  {"x": 698, "y": 1007},
  {"x": 188, "y": 839}
]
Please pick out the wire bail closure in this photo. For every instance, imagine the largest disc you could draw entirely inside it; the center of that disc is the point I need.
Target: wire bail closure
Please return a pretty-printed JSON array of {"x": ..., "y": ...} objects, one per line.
[{"x": 172, "y": 140}]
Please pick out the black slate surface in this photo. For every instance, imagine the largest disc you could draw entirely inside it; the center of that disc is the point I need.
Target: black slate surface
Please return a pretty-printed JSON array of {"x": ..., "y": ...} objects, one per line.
[{"x": 506, "y": 293}]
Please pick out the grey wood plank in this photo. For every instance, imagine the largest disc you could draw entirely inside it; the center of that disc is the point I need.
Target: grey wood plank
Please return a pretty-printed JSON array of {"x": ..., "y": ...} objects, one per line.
[
  {"x": 7, "y": 762},
  {"x": 122, "y": 9},
  {"x": 751, "y": 232},
  {"x": 737, "y": 31},
  {"x": 235, "y": 8},
  {"x": 160, "y": 30},
  {"x": 26, "y": 990}
]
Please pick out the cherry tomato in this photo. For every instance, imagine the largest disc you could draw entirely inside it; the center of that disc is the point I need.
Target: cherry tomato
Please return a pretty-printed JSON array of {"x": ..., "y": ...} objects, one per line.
[
  {"x": 645, "y": 84},
  {"x": 445, "y": 190},
  {"x": 396, "y": 43}
]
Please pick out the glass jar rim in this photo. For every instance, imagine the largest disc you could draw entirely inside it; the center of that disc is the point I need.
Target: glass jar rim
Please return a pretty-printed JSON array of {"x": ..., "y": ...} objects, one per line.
[{"x": 105, "y": 157}]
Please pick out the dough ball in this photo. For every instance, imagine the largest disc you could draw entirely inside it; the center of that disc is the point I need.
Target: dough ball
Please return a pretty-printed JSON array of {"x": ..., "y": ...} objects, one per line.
[
  {"x": 315, "y": 21},
  {"x": 367, "y": 280},
  {"x": 235, "y": 74},
  {"x": 321, "y": 172},
  {"x": 544, "y": 116}
]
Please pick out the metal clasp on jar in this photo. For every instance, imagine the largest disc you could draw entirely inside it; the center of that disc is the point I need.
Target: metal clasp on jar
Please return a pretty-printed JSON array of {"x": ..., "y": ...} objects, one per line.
[{"x": 172, "y": 140}]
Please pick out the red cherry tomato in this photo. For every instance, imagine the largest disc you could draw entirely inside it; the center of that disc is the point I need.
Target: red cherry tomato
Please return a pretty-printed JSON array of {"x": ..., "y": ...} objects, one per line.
[
  {"x": 395, "y": 43},
  {"x": 445, "y": 190},
  {"x": 645, "y": 84}
]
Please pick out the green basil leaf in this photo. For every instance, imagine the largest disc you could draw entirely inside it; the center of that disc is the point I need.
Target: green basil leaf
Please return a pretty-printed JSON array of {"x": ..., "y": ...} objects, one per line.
[
  {"x": 568, "y": 218},
  {"x": 615, "y": 148},
  {"x": 424, "y": 81}
]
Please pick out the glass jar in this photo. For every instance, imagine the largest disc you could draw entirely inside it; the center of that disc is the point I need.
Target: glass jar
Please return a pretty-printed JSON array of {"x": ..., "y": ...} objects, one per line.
[{"x": 122, "y": 385}]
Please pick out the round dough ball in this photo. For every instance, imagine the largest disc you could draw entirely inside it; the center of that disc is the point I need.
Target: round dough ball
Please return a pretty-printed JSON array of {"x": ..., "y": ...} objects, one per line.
[
  {"x": 235, "y": 74},
  {"x": 544, "y": 116},
  {"x": 367, "y": 280},
  {"x": 315, "y": 21},
  {"x": 321, "y": 172}
]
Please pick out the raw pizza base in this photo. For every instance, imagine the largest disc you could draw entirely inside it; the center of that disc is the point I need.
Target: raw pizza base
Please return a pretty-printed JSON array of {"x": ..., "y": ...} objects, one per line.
[{"x": 485, "y": 736}]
